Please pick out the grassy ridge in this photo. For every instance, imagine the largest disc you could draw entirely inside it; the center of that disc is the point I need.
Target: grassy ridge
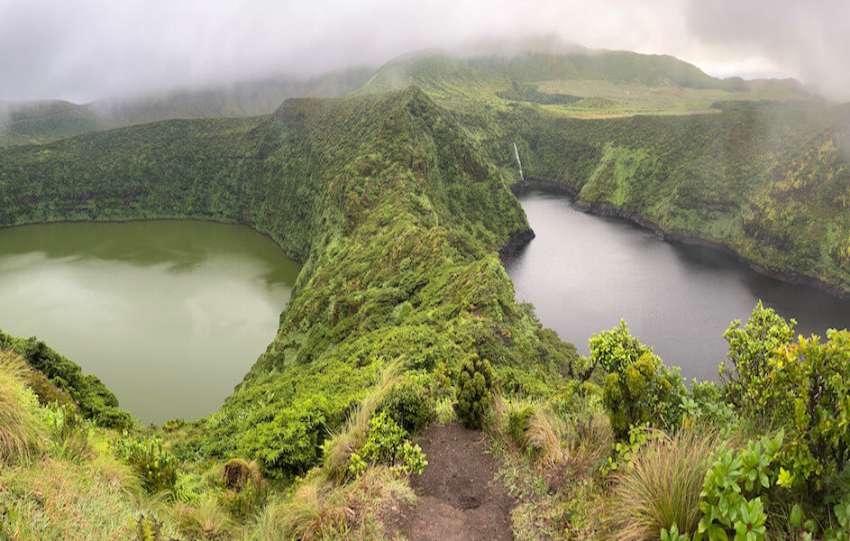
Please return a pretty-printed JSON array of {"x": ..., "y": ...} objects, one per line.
[{"x": 390, "y": 204}]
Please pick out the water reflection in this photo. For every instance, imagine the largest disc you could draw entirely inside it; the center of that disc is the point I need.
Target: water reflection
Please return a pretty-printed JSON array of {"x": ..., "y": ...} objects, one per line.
[
  {"x": 584, "y": 273},
  {"x": 169, "y": 314}
]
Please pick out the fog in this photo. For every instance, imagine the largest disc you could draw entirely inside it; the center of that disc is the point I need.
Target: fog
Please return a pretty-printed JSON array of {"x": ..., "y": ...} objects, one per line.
[{"x": 84, "y": 50}]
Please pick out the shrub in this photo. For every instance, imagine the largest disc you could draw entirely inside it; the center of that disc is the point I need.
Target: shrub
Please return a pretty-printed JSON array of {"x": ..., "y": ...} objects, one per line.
[
  {"x": 68, "y": 431},
  {"x": 745, "y": 375},
  {"x": 387, "y": 444},
  {"x": 661, "y": 487},
  {"x": 706, "y": 405},
  {"x": 518, "y": 415},
  {"x": 638, "y": 389},
  {"x": 155, "y": 466},
  {"x": 731, "y": 498},
  {"x": 247, "y": 491},
  {"x": 475, "y": 384},
  {"x": 22, "y": 431},
  {"x": 810, "y": 394},
  {"x": 410, "y": 402}
]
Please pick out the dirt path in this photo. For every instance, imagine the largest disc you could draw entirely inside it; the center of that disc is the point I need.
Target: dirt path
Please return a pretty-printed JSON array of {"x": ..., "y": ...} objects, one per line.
[{"x": 459, "y": 496}]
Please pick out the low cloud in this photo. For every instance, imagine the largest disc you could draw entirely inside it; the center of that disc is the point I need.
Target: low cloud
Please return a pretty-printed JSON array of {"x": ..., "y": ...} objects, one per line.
[{"x": 89, "y": 49}]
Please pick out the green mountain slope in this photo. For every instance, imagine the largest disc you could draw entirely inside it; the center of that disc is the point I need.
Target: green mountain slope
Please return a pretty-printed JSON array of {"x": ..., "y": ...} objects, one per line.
[
  {"x": 387, "y": 201},
  {"x": 771, "y": 183}
]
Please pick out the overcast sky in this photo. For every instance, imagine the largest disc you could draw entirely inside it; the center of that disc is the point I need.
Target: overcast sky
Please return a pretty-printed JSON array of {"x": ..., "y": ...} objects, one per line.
[{"x": 87, "y": 49}]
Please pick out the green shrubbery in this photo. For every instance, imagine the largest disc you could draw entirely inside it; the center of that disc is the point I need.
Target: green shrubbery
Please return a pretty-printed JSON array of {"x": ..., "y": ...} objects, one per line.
[
  {"x": 387, "y": 444},
  {"x": 67, "y": 379},
  {"x": 475, "y": 384},
  {"x": 638, "y": 388},
  {"x": 410, "y": 402},
  {"x": 155, "y": 465}
]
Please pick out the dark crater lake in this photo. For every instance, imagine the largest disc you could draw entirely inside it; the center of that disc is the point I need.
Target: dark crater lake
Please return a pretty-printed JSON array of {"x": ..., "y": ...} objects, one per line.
[
  {"x": 169, "y": 314},
  {"x": 584, "y": 273}
]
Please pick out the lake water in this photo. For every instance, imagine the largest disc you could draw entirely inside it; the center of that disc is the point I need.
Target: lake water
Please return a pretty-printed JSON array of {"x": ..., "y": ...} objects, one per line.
[
  {"x": 169, "y": 314},
  {"x": 584, "y": 273}
]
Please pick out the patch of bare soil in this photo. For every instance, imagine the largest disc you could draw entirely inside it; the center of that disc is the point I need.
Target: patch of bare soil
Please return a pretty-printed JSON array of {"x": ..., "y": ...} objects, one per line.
[{"x": 459, "y": 497}]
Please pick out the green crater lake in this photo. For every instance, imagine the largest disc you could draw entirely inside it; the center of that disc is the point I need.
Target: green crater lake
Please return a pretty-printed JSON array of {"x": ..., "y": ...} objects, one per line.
[{"x": 169, "y": 314}]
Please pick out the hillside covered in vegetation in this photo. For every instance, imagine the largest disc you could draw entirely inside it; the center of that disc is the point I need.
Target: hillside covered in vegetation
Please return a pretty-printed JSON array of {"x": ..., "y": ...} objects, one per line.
[{"x": 398, "y": 204}]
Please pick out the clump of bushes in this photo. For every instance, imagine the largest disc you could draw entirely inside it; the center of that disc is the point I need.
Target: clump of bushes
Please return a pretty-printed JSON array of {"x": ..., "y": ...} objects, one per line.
[
  {"x": 745, "y": 375},
  {"x": 66, "y": 378},
  {"x": 410, "y": 402},
  {"x": 638, "y": 388},
  {"x": 475, "y": 385},
  {"x": 387, "y": 444},
  {"x": 155, "y": 465}
]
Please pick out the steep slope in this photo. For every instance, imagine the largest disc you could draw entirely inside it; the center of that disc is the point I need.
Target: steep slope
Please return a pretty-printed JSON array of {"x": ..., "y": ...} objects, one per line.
[
  {"x": 770, "y": 183},
  {"x": 386, "y": 199}
]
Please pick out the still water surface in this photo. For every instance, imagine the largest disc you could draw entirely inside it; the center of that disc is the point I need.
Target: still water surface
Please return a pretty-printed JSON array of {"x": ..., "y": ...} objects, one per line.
[
  {"x": 583, "y": 273},
  {"x": 169, "y": 314}
]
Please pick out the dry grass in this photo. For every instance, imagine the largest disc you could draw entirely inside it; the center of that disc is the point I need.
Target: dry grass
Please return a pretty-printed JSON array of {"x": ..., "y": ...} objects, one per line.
[
  {"x": 22, "y": 430},
  {"x": 589, "y": 441},
  {"x": 662, "y": 486},
  {"x": 322, "y": 510},
  {"x": 204, "y": 521},
  {"x": 543, "y": 437},
  {"x": 352, "y": 435}
]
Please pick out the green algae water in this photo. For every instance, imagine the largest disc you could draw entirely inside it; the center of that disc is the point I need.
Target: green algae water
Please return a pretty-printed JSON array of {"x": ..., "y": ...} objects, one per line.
[{"x": 169, "y": 314}]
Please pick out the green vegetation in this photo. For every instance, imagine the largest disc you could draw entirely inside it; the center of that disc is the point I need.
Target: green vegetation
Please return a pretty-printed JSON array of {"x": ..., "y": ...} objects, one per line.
[
  {"x": 397, "y": 204},
  {"x": 61, "y": 380}
]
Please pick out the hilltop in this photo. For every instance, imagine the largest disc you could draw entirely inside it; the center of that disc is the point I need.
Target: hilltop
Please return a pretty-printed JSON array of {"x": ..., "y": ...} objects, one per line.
[{"x": 46, "y": 121}]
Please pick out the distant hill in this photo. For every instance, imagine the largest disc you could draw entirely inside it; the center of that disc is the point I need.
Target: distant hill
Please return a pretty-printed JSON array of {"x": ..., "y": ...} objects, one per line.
[
  {"x": 44, "y": 121},
  {"x": 628, "y": 83}
]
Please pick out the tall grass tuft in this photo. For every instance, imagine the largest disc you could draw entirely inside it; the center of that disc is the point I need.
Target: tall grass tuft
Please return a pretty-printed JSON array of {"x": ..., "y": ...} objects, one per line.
[
  {"x": 661, "y": 487},
  {"x": 22, "y": 430},
  {"x": 207, "y": 520},
  {"x": 342, "y": 444},
  {"x": 543, "y": 437},
  {"x": 319, "y": 509}
]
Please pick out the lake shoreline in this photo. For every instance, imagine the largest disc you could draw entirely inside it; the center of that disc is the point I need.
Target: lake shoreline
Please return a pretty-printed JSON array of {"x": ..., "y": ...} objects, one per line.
[{"x": 532, "y": 184}]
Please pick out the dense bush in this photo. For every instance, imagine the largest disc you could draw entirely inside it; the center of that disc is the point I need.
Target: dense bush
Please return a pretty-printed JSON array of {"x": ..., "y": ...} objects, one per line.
[
  {"x": 638, "y": 388},
  {"x": 475, "y": 383},
  {"x": 751, "y": 347},
  {"x": 410, "y": 402},
  {"x": 155, "y": 465},
  {"x": 732, "y": 501},
  {"x": 387, "y": 444}
]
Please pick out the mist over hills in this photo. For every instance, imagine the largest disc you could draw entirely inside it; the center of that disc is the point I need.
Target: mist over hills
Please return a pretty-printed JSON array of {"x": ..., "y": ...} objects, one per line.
[{"x": 494, "y": 66}]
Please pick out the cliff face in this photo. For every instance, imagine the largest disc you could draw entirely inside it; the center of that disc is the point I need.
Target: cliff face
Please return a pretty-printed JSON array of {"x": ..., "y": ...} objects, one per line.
[{"x": 771, "y": 183}]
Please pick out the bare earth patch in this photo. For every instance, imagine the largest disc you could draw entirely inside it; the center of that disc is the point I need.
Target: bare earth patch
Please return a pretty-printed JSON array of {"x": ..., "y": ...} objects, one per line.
[{"x": 459, "y": 497}]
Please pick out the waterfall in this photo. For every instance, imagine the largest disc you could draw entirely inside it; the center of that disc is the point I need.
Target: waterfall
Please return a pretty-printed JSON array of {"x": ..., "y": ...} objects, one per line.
[{"x": 519, "y": 163}]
